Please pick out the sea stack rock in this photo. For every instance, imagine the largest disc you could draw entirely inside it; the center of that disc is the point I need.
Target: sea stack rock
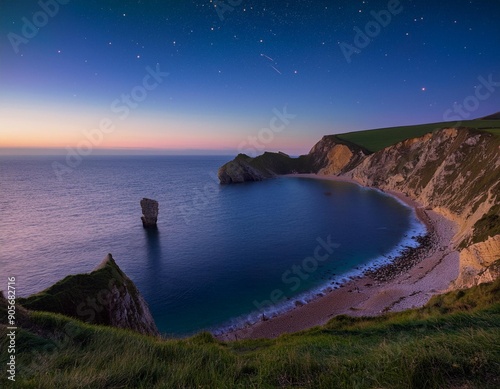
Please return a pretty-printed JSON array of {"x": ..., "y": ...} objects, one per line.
[{"x": 149, "y": 213}]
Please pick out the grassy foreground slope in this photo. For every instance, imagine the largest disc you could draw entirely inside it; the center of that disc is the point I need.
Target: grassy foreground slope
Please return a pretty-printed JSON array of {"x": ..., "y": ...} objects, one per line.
[
  {"x": 375, "y": 140},
  {"x": 452, "y": 342}
]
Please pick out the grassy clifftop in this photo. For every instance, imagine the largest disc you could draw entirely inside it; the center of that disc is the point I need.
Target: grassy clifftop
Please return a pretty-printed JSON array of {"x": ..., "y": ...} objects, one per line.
[
  {"x": 105, "y": 296},
  {"x": 452, "y": 342},
  {"x": 359, "y": 144},
  {"x": 378, "y": 139}
]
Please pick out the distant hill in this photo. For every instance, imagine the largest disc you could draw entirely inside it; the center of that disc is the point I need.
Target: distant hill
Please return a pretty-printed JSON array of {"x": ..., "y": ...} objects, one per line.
[{"x": 495, "y": 116}]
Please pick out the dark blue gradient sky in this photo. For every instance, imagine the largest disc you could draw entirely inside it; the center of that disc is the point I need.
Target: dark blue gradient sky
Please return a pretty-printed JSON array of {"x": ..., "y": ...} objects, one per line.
[{"x": 229, "y": 70}]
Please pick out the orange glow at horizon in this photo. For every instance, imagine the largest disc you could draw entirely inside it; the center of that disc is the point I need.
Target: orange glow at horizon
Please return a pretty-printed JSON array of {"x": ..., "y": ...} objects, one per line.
[{"x": 57, "y": 127}]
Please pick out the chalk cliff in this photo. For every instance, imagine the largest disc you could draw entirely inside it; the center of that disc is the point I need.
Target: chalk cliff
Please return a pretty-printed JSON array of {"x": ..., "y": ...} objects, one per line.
[
  {"x": 455, "y": 171},
  {"x": 105, "y": 296},
  {"x": 479, "y": 263},
  {"x": 332, "y": 155}
]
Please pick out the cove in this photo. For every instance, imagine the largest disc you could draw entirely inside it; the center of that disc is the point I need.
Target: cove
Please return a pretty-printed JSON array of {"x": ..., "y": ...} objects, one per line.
[{"x": 262, "y": 248}]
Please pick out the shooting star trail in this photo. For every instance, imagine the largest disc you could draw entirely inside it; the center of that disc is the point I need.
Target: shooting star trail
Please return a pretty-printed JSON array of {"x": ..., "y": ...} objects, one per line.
[
  {"x": 265, "y": 56},
  {"x": 275, "y": 69},
  {"x": 272, "y": 60}
]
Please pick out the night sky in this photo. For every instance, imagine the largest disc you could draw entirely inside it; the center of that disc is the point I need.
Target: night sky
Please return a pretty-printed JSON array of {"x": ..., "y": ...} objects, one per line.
[{"x": 231, "y": 68}]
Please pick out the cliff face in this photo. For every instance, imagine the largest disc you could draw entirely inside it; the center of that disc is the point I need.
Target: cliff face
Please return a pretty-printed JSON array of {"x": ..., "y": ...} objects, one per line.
[
  {"x": 330, "y": 155},
  {"x": 239, "y": 170},
  {"x": 106, "y": 296},
  {"x": 479, "y": 263},
  {"x": 455, "y": 171}
]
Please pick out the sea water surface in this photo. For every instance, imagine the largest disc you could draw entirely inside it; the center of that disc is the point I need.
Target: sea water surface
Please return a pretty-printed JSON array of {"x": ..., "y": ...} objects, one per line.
[{"x": 220, "y": 252}]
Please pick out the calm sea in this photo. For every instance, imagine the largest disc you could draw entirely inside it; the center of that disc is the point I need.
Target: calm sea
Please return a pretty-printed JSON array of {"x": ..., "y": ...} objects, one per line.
[{"x": 220, "y": 252}]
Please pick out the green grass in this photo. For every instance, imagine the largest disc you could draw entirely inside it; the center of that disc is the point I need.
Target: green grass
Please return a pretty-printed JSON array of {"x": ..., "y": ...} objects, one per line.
[
  {"x": 377, "y": 139},
  {"x": 494, "y": 131},
  {"x": 453, "y": 342}
]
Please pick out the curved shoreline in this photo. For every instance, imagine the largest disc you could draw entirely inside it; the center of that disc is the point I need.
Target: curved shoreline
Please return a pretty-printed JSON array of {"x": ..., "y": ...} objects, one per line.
[{"x": 369, "y": 295}]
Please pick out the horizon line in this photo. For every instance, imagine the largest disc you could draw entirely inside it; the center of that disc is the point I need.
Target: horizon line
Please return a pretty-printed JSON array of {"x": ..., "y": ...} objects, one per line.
[{"x": 122, "y": 151}]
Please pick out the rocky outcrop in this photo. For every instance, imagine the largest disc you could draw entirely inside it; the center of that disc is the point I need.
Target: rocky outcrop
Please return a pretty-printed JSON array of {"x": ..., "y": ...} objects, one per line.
[
  {"x": 105, "y": 296},
  {"x": 149, "y": 213},
  {"x": 330, "y": 155},
  {"x": 338, "y": 158},
  {"x": 479, "y": 263},
  {"x": 240, "y": 170}
]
